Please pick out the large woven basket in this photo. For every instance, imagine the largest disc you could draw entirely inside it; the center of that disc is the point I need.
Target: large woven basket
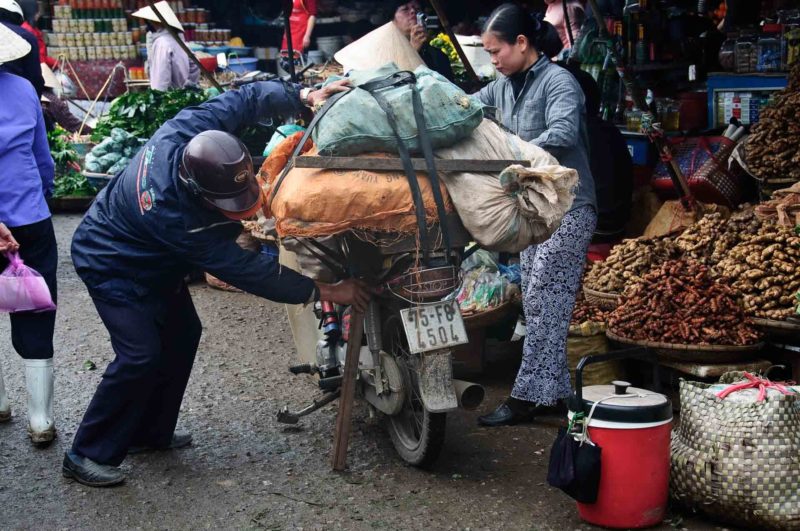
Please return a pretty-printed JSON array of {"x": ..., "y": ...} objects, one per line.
[
  {"x": 606, "y": 301},
  {"x": 693, "y": 353},
  {"x": 737, "y": 461}
]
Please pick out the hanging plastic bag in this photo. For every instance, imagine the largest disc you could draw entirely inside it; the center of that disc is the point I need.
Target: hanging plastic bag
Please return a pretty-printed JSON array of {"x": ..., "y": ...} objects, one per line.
[
  {"x": 575, "y": 462},
  {"x": 22, "y": 289}
]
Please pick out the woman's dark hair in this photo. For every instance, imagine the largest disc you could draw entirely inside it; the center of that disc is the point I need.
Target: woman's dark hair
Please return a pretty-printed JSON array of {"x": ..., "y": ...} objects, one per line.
[{"x": 510, "y": 20}]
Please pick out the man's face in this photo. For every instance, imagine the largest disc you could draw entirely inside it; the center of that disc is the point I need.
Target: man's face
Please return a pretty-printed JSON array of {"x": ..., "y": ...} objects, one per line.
[{"x": 405, "y": 18}]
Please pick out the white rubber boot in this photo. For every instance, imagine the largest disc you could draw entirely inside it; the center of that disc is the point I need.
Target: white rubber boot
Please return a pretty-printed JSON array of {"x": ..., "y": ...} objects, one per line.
[
  {"x": 39, "y": 380},
  {"x": 5, "y": 407}
]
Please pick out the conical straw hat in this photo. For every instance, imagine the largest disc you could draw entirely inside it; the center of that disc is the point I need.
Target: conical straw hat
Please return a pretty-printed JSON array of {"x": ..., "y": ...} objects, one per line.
[
  {"x": 147, "y": 13},
  {"x": 49, "y": 77},
  {"x": 12, "y": 46},
  {"x": 386, "y": 44}
]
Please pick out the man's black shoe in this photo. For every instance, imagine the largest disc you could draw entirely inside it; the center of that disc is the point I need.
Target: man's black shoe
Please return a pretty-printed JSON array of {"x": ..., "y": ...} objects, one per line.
[
  {"x": 505, "y": 416},
  {"x": 180, "y": 439},
  {"x": 85, "y": 471}
]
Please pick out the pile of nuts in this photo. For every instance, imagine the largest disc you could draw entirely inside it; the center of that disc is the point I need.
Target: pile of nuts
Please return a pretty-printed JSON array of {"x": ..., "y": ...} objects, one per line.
[
  {"x": 765, "y": 269},
  {"x": 586, "y": 312},
  {"x": 628, "y": 262},
  {"x": 679, "y": 303},
  {"x": 773, "y": 148}
]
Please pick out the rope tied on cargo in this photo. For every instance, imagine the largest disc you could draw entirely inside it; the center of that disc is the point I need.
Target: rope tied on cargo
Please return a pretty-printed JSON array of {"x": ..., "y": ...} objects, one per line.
[{"x": 762, "y": 384}]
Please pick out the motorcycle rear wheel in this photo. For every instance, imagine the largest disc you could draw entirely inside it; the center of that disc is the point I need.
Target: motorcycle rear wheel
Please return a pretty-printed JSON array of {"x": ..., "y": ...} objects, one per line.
[{"x": 417, "y": 434}]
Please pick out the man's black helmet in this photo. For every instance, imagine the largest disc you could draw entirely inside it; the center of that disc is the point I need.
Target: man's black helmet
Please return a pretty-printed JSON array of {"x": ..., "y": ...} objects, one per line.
[{"x": 217, "y": 167}]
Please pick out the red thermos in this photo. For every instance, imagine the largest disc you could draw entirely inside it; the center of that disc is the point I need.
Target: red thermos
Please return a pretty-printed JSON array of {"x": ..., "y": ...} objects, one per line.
[{"x": 632, "y": 427}]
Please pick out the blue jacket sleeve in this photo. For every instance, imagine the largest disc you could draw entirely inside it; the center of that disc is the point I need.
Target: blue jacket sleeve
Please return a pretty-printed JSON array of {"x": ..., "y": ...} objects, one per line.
[
  {"x": 41, "y": 152},
  {"x": 248, "y": 271},
  {"x": 234, "y": 109}
]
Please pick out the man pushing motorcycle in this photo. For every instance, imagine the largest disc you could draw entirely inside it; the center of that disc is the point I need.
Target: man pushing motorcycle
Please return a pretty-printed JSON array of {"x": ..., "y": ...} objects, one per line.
[{"x": 176, "y": 207}]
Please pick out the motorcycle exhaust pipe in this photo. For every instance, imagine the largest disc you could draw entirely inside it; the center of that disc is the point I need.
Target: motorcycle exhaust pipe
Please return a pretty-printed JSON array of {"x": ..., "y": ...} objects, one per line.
[{"x": 470, "y": 395}]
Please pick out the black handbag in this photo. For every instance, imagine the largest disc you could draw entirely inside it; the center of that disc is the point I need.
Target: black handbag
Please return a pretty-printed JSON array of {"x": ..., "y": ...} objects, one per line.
[{"x": 575, "y": 464}]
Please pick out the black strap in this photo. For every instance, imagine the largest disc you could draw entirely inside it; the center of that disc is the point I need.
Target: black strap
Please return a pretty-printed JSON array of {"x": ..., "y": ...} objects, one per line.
[
  {"x": 317, "y": 117},
  {"x": 433, "y": 175},
  {"x": 374, "y": 88}
]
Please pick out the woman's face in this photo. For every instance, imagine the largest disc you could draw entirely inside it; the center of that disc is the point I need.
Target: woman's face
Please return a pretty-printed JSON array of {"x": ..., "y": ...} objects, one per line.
[
  {"x": 405, "y": 18},
  {"x": 507, "y": 58}
]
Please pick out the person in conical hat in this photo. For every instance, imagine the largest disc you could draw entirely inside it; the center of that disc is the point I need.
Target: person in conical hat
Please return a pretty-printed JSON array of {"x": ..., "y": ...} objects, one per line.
[
  {"x": 387, "y": 44},
  {"x": 26, "y": 228},
  {"x": 27, "y": 66},
  {"x": 56, "y": 110},
  {"x": 168, "y": 65}
]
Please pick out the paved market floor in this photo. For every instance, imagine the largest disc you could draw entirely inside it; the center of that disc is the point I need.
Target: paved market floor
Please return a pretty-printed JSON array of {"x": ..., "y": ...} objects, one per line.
[{"x": 244, "y": 470}]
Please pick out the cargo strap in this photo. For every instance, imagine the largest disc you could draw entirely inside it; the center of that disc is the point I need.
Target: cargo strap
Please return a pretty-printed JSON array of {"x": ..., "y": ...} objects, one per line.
[{"x": 375, "y": 89}]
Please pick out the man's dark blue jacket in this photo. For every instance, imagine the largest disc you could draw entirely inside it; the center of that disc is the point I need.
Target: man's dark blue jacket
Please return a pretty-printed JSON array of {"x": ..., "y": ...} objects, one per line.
[{"x": 145, "y": 231}]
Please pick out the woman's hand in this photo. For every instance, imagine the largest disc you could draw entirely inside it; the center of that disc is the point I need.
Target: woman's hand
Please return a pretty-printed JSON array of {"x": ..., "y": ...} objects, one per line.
[
  {"x": 350, "y": 292},
  {"x": 318, "y": 97},
  {"x": 419, "y": 37},
  {"x": 7, "y": 242}
]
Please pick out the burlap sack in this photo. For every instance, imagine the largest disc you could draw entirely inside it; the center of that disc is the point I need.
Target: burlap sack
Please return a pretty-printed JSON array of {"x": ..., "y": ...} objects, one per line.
[
  {"x": 738, "y": 461},
  {"x": 313, "y": 203},
  {"x": 521, "y": 206}
]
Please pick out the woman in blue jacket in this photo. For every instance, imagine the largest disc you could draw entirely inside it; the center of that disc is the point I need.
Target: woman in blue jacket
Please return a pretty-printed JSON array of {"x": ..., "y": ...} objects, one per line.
[
  {"x": 542, "y": 103},
  {"x": 26, "y": 177}
]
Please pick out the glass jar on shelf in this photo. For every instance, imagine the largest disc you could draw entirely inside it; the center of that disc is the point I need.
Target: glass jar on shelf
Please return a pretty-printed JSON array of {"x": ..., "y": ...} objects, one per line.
[
  {"x": 746, "y": 58},
  {"x": 727, "y": 53},
  {"x": 633, "y": 120}
]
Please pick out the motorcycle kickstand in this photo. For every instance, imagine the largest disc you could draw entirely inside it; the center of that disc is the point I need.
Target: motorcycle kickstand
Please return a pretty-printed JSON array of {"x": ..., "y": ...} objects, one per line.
[{"x": 287, "y": 417}]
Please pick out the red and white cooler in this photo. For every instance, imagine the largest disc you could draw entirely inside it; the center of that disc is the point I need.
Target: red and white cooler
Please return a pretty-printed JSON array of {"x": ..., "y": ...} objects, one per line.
[{"x": 632, "y": 427}]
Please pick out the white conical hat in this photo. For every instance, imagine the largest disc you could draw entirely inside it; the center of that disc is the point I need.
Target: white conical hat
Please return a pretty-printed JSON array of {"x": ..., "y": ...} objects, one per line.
[
  {"x": 49, "y": 77},
  {"x": 12, "y": 46},
  {"x": 147, "y": 13},
  {"x": 386, "y": 44}
]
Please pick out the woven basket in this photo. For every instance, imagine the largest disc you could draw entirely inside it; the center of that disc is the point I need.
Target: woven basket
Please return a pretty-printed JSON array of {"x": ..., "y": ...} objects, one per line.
[
  {"x": 737, "y": 461},
  {"x": 783, "y": 329},
  {"x": 606, "y": 301},
  {"x": 693, "y": 353}
]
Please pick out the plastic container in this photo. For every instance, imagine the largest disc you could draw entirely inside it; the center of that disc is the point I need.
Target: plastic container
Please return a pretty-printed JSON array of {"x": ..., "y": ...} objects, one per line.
[
  {"x": 242, "y": 65},
  {"x": 632, "y": 427},
  {"x": 768, "y": 53}
]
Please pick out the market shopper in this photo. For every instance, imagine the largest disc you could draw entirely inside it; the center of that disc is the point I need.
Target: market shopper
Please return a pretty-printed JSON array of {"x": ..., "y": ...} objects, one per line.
[
  {"x": 301, "y": 25},
  {"x": 542, "y": 103},
  {"x": 56, "y": 110},
  {"x": 169, "y": 67},
  {"x": 176, "y": 207},
  {"x": 555, "y": 16},
  {"x": 26, "y": 178},
  {"x": 405, "y": 18},
  {"x": 27, "y": 66},
  {"x": 30, "y": 12}
]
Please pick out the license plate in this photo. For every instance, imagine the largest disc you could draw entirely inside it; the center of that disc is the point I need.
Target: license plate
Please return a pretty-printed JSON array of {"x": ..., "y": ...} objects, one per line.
[{"x": 434, "y": 326}]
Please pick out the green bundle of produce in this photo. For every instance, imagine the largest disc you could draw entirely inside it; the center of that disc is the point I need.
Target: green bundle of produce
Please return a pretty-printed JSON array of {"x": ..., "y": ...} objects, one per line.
[
  {"x": 114, "y": 153},
  {"x": 142, "y": 113}
]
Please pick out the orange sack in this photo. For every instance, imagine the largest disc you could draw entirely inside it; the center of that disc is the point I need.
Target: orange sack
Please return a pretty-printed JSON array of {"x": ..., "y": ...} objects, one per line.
[{"x": 313, "y": 202}]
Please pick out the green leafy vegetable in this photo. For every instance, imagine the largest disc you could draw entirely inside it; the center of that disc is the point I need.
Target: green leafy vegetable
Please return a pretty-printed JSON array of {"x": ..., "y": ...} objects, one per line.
[
  {"x": 142, "y": 113},
  {"x": 72, "y": 183}
]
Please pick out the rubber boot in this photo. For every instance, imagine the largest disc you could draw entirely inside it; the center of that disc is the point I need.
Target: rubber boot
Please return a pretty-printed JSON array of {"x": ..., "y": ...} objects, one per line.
[
  {"x": 39, "y": 380},
  {"x": 5, "y": 407}
]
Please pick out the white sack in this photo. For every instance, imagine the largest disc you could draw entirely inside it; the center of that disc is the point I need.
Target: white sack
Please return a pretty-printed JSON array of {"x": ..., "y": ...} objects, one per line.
[{"x": 521, "y": 206}]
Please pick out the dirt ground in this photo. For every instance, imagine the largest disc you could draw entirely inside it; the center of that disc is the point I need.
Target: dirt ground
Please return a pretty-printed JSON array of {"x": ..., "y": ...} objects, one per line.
[{"x": 246, "y": 471}]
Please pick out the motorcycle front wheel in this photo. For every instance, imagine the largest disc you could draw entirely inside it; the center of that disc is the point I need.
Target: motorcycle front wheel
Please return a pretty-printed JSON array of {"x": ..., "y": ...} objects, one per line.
[{"x": 416, "y": 433}]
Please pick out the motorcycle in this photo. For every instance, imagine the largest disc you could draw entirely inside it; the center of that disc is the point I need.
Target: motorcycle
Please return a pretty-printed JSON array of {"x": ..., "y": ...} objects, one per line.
[{"x": 405, "y": 365}]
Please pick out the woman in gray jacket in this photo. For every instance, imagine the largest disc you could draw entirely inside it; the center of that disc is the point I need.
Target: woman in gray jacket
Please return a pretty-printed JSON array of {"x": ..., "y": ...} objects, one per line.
[{"x": 542, "y": 103}]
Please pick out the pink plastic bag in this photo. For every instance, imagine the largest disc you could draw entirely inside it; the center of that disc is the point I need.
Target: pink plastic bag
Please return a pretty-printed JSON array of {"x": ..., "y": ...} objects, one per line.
[{"x": 22, "y": 289}]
